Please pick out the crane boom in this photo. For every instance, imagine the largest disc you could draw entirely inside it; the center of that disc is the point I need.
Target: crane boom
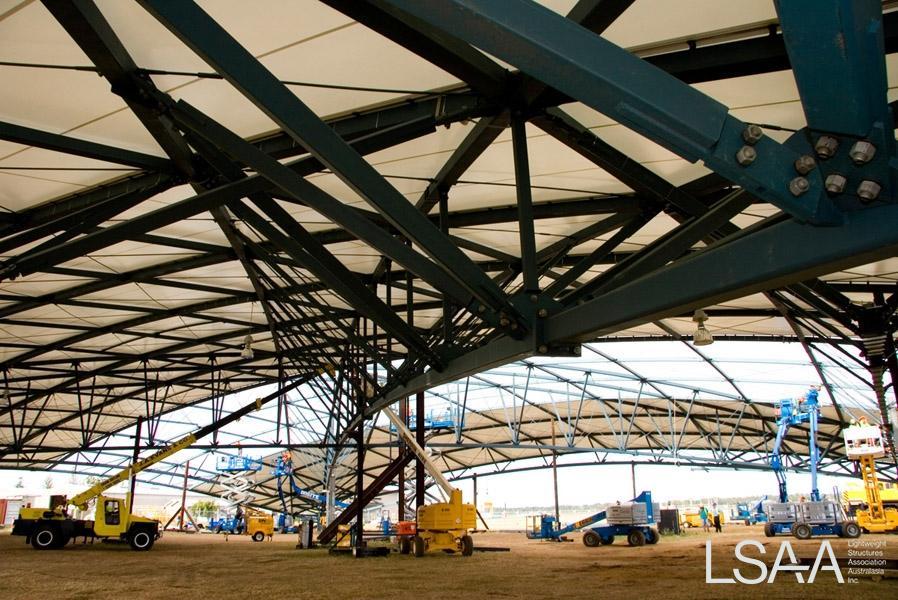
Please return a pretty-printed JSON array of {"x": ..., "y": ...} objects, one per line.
[
  {"x": 92, "y": 492},
  {"x": 409, "y": 439},
  {"x": 794, "y": 414}
]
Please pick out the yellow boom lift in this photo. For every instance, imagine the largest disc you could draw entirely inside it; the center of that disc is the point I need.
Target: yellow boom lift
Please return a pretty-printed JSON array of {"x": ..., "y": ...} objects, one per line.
[
  {"x": 50, "y": 528},
  {"x": 863, "y": 443},
  {"x": 442, "y": 525}
]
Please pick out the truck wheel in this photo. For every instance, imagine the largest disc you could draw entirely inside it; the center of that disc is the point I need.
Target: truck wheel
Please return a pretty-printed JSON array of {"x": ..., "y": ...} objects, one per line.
[
  {"x": 651, "y": 536},
  {"x": 851, "y": 529},
  {"x": 45, "y": 537},
  {"x": 607, "y": 540},
  {"x": 258, "y": 536},
  {"x": 141, "y": 539},
  {"x": 467, "y": 545},
  {"x": 591, "y": 539},
  {"x": 419, "y": 546},
  {"x": 636, "y": 538},
  {"x": 216, "y": 529},
  {"x": 405, "y": 545},
  {"x": 768, "y": 530},
  {"x": 802, "y": 531}
]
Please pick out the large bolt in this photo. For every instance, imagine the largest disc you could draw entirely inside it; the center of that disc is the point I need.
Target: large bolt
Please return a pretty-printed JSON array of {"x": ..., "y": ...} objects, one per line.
[
  {"x": 835, "y": 183},
  {"x": 826, "y": 146},
  {"x": 752, "y": 134},
  {"x": 543, "y": 349},
  {"x": 799, "y": 186},
  {"x": 504, "y": 322},
  {"x": 804, "y": 164},
  {"x": 746, "y": 155},
  {"x": 868, "y": 190},
  {"x": 481, "y": 309},
  {"x": 862, "y": 152},
  {"x": 543, "y": 313}
]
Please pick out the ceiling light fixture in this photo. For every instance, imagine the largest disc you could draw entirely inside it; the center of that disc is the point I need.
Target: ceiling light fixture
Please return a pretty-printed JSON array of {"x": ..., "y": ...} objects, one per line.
[
  {"x": 247, "y": 352},
  {"x": 701, "y": 337}
]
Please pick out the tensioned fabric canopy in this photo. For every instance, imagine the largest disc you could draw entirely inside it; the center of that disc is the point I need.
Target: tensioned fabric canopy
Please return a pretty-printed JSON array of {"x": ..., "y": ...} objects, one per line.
[{"x": 202, "y": 198}]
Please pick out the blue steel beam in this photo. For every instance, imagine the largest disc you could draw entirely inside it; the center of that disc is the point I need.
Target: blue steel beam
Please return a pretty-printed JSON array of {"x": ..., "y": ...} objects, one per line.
[
  {"x": 308, "y": 252},
  {"x": 69, "y": 145},
  {"x": 598, "y": 15},
  {"x": 208, "y": 39},
  {"x": 87, "y": 26},
  {"x": 609, "y": 79},
  {"x": 342, "y": 214},
  {"x": 452, "y": 55},
  {"x": 780, "y": 254}
]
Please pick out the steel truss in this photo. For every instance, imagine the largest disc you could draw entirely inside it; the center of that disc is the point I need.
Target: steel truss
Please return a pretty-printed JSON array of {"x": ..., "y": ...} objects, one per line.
[{"x": 477, "y": 307}]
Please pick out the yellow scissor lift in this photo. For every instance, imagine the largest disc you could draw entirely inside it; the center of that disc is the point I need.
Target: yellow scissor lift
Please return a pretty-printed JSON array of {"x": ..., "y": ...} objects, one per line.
[{"x": 863, "y": 443}]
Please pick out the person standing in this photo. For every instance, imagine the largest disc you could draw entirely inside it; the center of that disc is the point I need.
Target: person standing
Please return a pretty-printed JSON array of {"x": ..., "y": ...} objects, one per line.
[
  {"x": 717, "y": 527},
  {"x": 703, "y": 515}
]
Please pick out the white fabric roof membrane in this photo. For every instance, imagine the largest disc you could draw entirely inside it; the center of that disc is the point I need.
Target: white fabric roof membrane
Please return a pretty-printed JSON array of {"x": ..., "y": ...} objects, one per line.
[{"x": 156, "y": 320}]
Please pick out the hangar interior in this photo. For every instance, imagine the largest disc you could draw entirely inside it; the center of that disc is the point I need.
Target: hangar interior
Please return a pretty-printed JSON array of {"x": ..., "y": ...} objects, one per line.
[{"x": 515, "y": 213}]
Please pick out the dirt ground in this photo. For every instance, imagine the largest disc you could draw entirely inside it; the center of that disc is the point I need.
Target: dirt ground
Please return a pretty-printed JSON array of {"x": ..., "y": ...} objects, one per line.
[{"x": 184, "y": 567}]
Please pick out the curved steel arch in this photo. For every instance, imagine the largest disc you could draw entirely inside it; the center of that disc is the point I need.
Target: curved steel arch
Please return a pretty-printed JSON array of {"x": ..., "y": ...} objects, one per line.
[{"x": 479, "y": 305}]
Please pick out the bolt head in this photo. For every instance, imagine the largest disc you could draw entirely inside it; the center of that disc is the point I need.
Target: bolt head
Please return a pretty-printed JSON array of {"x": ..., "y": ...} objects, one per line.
[
  {"x": 826, "y": 146},
  {"x": 543, "y": 349},
  {"x": 835, "y": 183},
  {"x": 543, "y": 313},
  {"x": 868, "y": 190},
  {"x": 746, "y": 155},
  {"x": 799, "y": 186},
  {"x": 534, "y": 298},
  {"x": 862, "y": 152},
  {"x": 481, "y": 309},
  {"x": 752, "y": 134},
  {"x": 504, "y": 322},
  {"x": 804, "y": 164}
]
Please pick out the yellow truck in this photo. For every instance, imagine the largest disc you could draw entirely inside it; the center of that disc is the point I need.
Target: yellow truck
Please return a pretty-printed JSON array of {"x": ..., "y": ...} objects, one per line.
[
  {"x": 51, "y": 528},
  {"x": 855, "y": 496},
  {"x": 689, "y": 517}
]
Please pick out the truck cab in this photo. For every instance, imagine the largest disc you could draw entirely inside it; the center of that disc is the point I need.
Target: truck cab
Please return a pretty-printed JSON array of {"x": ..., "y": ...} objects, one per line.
[{"x": 112, "y": 519}]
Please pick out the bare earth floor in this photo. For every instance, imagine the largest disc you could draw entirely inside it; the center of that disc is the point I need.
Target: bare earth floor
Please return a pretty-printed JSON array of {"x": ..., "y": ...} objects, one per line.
[{"x": 184, "y": 567}]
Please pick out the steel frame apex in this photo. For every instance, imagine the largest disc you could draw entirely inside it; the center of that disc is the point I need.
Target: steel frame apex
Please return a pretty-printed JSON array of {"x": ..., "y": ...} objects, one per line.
[{"x": 609, "y": 79}]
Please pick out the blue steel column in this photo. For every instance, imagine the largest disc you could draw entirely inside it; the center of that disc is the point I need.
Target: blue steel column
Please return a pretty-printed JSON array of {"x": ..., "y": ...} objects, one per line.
[
  {"x": 420, "y": 474},
  {"x": 525, "y": 204},
  {"x": 837, "y": 52},
  {"x": 838, "y": 58}
]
